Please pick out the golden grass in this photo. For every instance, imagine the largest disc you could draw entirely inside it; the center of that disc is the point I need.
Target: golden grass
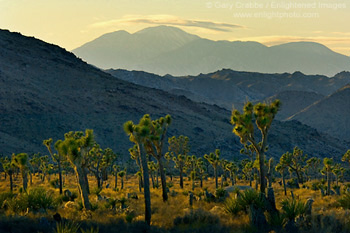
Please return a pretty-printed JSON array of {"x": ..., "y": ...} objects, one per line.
[{"x": 163, "y": 214}]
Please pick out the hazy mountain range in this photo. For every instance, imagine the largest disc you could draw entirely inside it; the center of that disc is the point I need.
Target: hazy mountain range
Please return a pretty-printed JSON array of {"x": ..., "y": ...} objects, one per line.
[
  {"x": 169, "y": 50},
  {"x": 46, "y": 91}
]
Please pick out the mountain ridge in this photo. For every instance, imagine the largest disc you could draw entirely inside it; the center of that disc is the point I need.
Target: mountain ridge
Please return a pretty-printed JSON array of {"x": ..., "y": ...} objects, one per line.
[
  {"x": 46, "y": 92},
  {"x": 183, "y": 53}
]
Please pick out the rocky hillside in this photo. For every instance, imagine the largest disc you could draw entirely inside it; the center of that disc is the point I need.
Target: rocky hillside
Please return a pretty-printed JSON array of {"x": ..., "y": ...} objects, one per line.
[
  {"x": 330, "y": 115},
  {"x": 46, "y": 91},
  {"x": 228, "y": 88}
]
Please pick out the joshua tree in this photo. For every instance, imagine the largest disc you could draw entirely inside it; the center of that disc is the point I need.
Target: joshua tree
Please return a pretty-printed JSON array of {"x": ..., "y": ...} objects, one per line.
[
  {"x": 121, "y": 174},
  {"x": 116, "y": 169},
  {"x": 152, "y": 168},
  {"x": 56, "y": 158},
  {"x": 138, "y": 134},
  {"x": 135, "y": 155},
  {"x": 8, "y": 167},
  {"x": 75, "y": 148},
  {"x": 328, "y": 169},
  {"x": 295, "y": 162},
  {"x": 244, "y": 128},
  {"x": 191, "y": 164},
  {"x": 154, "y": 145},
  {"x": 346, "y": 157},
  {"x": 22, "y": 162},
  {"x": 179, "y": 148},
  {"x": 214, "y": 160},
  {"x": 232, "y": 168},
  {"x": 180, "y": 164},
  {"x": 202, "y": 171},
  {"x": 248, "y": 171},
  {"x": 313, "y": 165},
  {"x": 281, "y": 167}
]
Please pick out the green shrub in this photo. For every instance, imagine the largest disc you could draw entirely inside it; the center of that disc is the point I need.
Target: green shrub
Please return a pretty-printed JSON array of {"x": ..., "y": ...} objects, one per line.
[
  {"x": 221, "y": 194},
  {"x": 197, "y": 217},
  {"x": 54, "y": 183},
  {"x": 232, "y": 206},
  {"x": 91, "y": 230},
  {"x": 67, "y": 227},
  {"x": 34, "y": 200},
  {"x": 251, "y": 197},
  {"x": 344, "y": 201},
  {"x": 293, "y": 208},
  {"x": 5, "y": 197}
]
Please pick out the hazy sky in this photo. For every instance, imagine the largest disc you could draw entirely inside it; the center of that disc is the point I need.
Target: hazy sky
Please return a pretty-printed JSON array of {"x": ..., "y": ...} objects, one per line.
[{"x": 71, "y": 23}]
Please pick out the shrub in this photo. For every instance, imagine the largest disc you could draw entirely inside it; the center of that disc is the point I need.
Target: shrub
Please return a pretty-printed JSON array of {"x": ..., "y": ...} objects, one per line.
[
  {"x": 5, "y": 197},
  {"x": 232, "y": 206},
  {"x": 34, "y": 200},
  {"x": 54, "y": 183},
  {"x": 221, "y": 194},
  {"x": 344, "y": 201},
  {"x": 197, "y": 217},
  {"x": 251, "y": 197},
  {"x": 293, "y": 208},
  {"x": 67, "y": 227},
  {"x": 91, "y": 230}
]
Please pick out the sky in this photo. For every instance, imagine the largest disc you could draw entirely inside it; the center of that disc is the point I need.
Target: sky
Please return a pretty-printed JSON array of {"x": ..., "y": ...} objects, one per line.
[{"x": 71, "y": 23}]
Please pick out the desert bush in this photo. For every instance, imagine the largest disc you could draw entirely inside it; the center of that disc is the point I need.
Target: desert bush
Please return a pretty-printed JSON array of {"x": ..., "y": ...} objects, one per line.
[
  {"x": 220, "y": 194},
  {"x": 5, "y": 197},
  {"x": 91, "y": 230},
  {"x": 344, "y": 201},
  {"x": 33, "y": 200},
  {"x": 293, "y": 208},
  {"x": 67, "y": 227},
  {"x": 54, "y": 183},
  {"x": 232, "y": 206},
  {"x": 197, "y": 217}
]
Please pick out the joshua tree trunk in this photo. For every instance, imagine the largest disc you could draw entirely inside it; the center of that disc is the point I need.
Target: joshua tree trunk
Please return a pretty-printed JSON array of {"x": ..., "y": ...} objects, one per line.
[
  {"x": 60, "y": 175},
  {"x": 82, "y": 186},
  {"x": 11, "y": 182},
  {"x": 152, "y": 179},
  {"x": 201, "y": 181},
  {"x": 24, "y": 179},
  {"x": 284, "y": 184},
  {"x": 122, "y": 183},
  {"x": 163, "y": 180},
  {"x": 85, "y": 172},
  {"x": 216, "y": 177},
  {"x": 116, "y": 181},
  {"x": 262, "y": 172},
  {"x": 146, "y": 190},
  {"x": 328, "y": 183},
  {"x": 181, "y": 180}
]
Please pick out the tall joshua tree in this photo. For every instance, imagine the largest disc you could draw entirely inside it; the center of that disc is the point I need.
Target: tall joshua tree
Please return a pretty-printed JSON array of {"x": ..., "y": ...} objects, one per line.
[
  {"x": 154, "y": 144},
  {"x": 243, "y": 127},
  {"x": 57, "y": 158},
  {"x": 295, "y": 162},
  {"x": 138, "y": 134},
  {"x": 214, "y": 160},
  {"x": 8, "y": 167},
  {"x": 179, "y": 148},
  {"x": 22, "y": 162},
  {"x": 328, "y": 169},
  {"x": 75, "y": 148}
]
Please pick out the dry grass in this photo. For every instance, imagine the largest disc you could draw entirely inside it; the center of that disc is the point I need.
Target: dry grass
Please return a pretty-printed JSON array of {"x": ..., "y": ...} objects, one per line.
[{"x": 163, "y": 214}]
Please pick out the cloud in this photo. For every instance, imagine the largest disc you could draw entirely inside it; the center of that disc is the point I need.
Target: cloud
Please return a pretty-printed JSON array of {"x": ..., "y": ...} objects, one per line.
[{"x": 167, "y": 20}]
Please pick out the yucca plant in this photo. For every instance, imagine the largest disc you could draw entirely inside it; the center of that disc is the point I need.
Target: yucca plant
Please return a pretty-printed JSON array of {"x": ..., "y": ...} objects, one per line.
[
  {"x": 293, "y": 208},
  {"x": 91, "y": 230},
  {"x": 67, "y": 227},
  {"x": 232, "y": 206}
]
